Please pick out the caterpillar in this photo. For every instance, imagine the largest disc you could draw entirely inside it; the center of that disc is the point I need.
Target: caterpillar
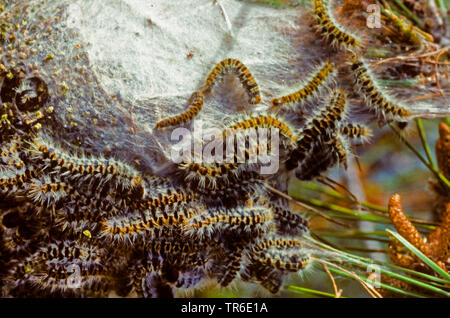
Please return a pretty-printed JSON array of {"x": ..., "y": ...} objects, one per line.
[
  {"x": 10, "y": 155},
  {"x": 210, "y": 176},
  {"x": 49, "y": 270},
  {"x": 289, "y": 222},
  {"x": 140, "y": 225},
  {"x": 240, "y": 221},
  {"x": 43, "y": 284},
  {"x": 83, "y": 168},
  {"x": 170, "y": 199},
  {"x": 269, "y": 278},
  {"x": 318, "y": 78},
  {"x": 249, "y": 183},
  {"x": 319, "y": 129},
  {"x": 232, "y": 266},
  {"x": 283, "y": 260},
  {"x": 325, "y": 156},
  {"x": 193, "y": 110},
  {"x": 355, "y": 131},
  {"x": 13, "y": 180},
  {"x": 330, "y": 29},
  {"x": 263, "y": 121},
  {"x": 384, "y": 106},
  {"x": 246, "y": 78},
  {"x": 153, "y": 286},
  {"x": 57, "y": 254},
  {"x": 191, "y": 278},
  {"x": 46, "y": 192},
  {"x": 275, "y": 241}
]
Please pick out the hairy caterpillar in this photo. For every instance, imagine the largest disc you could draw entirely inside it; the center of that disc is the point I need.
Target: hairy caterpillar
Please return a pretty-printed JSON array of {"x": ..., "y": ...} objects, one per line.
[
  {"x": 319, "y": 77},
  {"x": 263, "y": 121},
  {"x": 210, "y": 176},
  {"x": 283, "y": 260},
  {"x": 319, "y": 129},
  {"x": 10, "y": 155},
  {"x": 43, "y": 284},
  {"x": 84, "y": 168},
  {"x": 17, "y": 179},
  {"x": 384, "y": 106},
  {"x": 330, "y": 29},
  {"x": 326, "y": 155},
  {"x": 153, "y": 286},
  {"x": 276, "y": 242},
  {"x": 191, "y": 278},
  {"x": 355, "y": 131},
  {"x": 140, "y": 225},
  {"x": 234, "y": 194},
  {"x": 193, "y": 110},
  {"x": 231, "y": 267},
  {"x": 46, "y": 191},
  {"x": 241, "y": 220},
  {"x": 269, "y": 278},
  {"x": 289, "y": 222},
  {"x": 234, "y": 66},
  {"x": 49, "y": 270}
]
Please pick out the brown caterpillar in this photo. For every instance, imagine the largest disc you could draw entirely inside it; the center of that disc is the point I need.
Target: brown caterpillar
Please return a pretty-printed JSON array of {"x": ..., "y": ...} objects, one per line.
[
  {"x": 330, "y": 29},
  {"x": 193, "y": 110},
  {"x": 234, "y": 66},
  {"x": 384, "y": 106},
  {"x": 312, "y": 87}
]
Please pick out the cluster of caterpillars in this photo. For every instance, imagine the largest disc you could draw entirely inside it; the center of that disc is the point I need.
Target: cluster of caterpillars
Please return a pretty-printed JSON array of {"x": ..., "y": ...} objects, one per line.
[{"x": 77, "y": 225}]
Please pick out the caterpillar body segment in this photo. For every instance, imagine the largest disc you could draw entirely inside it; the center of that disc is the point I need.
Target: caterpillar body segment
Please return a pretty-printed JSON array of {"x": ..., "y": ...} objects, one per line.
[
  {"x": 280, "y": 253},
  {"x": 188, "y": 115},
  {"x": 269, "y": 278},
  {"x": 326, "y": 156},
  {"x": 50, "y": 270},
  {"x": 331, "y": 30},
  {"x": 310, "y": 89},
  {"x": 383, "y": 105},
  {"x": 211, "y": 176},
  {"x": 288, "y": 222},
  {"x": 18, "y": 178},
  {"x": 319, "y": 130},
  {"x": 241, "y": 221},
  {"x": 263, "y": 121},
  {"x": 241, "y": 71},
  {"x": 145, "y": 224},
  {"x": 356, "y": 132},
  {"x": 231, "y": 267},
  {"x": 46, "y": 192},
  {"x": 94, "y": 172}
]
